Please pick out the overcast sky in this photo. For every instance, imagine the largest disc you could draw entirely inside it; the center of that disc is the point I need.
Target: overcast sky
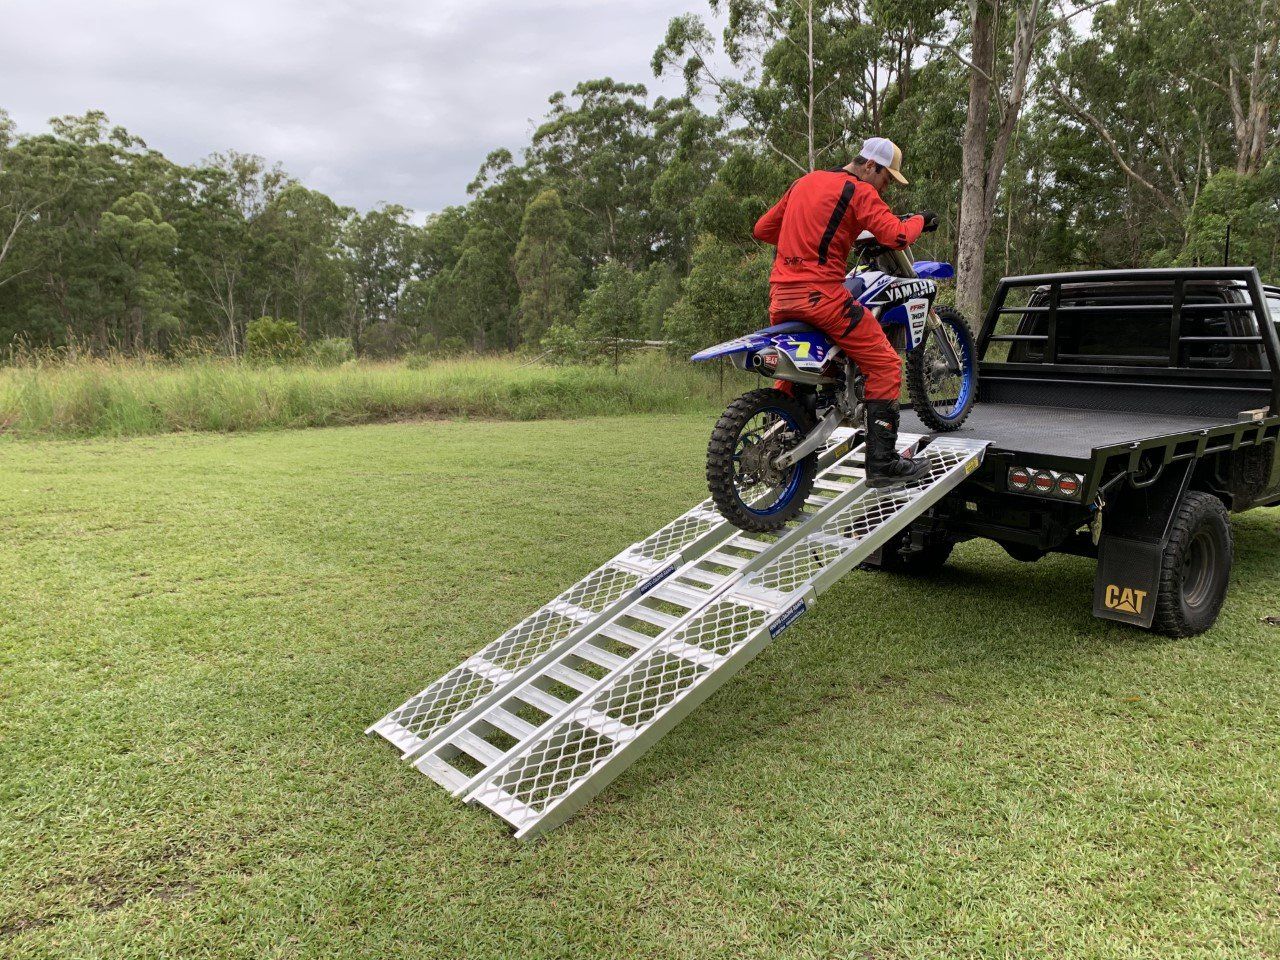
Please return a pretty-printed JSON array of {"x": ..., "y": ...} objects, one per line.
[{"x": 369, "y": 101}]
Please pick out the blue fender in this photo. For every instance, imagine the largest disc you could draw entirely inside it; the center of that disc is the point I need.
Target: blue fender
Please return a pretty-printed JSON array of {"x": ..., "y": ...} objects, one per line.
[
  {"x": 806, "y": 347},
  {"x": 934, "y": 269}
]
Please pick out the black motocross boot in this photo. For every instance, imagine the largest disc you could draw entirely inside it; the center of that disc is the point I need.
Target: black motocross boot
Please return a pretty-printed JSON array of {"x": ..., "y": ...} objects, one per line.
[{"x": 884, "y": 467}]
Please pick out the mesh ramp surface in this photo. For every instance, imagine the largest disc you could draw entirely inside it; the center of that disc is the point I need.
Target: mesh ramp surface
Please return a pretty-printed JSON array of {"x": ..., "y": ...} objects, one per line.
[
  {"x": 537, "y": 743},
  {"x": 432, "y": 712}
]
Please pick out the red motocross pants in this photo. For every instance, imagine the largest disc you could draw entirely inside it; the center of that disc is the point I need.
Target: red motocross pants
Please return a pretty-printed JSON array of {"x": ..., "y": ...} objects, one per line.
[{"x": 849, "y": 324}]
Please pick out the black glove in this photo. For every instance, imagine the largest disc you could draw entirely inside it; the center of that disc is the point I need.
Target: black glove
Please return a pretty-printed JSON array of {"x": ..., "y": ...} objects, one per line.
[{"x": 930, "y": 221}]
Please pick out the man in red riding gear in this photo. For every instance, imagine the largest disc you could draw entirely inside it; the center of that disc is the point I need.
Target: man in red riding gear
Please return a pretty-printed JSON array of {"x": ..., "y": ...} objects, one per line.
[{"x": 814, "y": 226}]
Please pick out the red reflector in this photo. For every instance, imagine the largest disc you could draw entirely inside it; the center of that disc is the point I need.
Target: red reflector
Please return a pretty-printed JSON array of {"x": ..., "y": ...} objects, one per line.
[
  {"x": 1068, "y": 485},
  {"x": 1044, "y": 483},
  {"x": 1019, "y": 479}
]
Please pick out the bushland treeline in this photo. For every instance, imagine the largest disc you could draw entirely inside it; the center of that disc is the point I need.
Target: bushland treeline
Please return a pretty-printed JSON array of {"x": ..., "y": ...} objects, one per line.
[{"x": 1046, "y": 134}]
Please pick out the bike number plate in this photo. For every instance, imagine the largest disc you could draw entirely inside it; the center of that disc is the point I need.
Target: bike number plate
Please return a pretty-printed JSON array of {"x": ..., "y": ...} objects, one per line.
[{"x": 918, "y": 317}]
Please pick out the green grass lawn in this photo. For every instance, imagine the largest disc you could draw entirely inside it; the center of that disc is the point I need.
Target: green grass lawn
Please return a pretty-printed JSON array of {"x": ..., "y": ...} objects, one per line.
[{"x": 195, "y": 630}]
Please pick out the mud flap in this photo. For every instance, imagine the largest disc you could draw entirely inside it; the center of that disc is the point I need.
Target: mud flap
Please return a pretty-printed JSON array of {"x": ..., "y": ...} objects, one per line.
[
  {"x": 1135, "y": 533},
  {"x": 1127, "y": 581}
]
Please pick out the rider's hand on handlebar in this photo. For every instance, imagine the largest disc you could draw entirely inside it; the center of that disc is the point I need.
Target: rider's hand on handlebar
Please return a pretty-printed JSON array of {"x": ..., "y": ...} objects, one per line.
[{"x": 930, "y": 221}]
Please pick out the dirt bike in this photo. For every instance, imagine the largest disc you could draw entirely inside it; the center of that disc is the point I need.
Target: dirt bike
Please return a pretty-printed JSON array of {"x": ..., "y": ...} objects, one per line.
[{"x": 763, "y": 453}]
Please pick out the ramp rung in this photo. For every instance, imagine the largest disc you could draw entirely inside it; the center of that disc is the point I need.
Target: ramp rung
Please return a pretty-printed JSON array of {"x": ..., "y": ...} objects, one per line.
[
  {"x": 449, "y": 777},
  {"x": 726, "y": 560},
  {"x": 473, "y": 746},
  {"x": 575, "y": 612},
  {"x": 704, "y": 577},
  {"x": 539, "y": 698},
  {"x": 601, "y": 658},
  {"x": 602, "y": 724},
  {"x": 632, "y": 638},
  {"x": 570, "y": 677},
  {"x": 649, "y": 615},
  {"x": 509, "y": 723},
  {"x": 489, "y": 671},
  {"x": 676, "y": 593},
  {"x": 828, "y": 540},
  {"x": 686, "y": 651},
  {"x": 514, "y": 812}
]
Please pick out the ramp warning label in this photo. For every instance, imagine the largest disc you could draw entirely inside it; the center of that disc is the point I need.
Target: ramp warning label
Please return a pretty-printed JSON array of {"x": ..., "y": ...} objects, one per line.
[
  {"x": 657, "y": 578},
  {"x": 789, "y": 616}
]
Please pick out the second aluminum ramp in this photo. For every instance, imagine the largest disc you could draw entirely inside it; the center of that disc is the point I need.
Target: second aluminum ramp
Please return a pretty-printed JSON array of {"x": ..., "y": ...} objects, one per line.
[{"x": 545, "y": 778}]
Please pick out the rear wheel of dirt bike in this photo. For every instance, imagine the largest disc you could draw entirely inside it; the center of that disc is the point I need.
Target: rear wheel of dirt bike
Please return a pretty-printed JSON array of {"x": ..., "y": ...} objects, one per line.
[
  {"x": 942, "y": 373},
  {"x": 750, "y": 435}
]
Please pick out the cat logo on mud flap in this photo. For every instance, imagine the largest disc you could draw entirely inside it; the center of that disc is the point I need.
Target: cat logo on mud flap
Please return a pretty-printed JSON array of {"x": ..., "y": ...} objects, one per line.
[{"x": 1124, "y": 599}]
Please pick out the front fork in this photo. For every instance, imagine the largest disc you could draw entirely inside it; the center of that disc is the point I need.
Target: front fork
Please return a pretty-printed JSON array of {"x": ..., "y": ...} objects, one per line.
[{"x": 933, "y": 328}]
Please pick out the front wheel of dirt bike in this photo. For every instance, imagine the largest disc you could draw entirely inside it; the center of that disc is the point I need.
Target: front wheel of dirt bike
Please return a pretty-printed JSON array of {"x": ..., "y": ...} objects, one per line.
[
  {"x": 750, "y": 435},
  {"x": 942, "y": 373}
]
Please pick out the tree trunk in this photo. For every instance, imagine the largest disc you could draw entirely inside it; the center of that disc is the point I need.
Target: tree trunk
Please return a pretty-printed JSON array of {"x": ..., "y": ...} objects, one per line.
[
  {"x": 139, "y": 339},
  {"x": 975, "y": 221},
  {"x": 813, "y": 165}
]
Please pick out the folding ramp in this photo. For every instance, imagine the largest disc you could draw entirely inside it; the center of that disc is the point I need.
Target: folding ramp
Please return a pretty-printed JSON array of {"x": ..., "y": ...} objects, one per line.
[{"x": 538, "y": 722}]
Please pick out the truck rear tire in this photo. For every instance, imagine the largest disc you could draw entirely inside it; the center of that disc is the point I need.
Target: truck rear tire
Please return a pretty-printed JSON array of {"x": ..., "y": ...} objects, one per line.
[{"x": 1196, "y": 568}]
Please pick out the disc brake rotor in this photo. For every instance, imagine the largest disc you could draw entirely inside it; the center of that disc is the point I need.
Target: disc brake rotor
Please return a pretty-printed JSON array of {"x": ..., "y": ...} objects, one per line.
[
  {"x": 757, "y": 461},
  {"x": 756, "y": 457}
]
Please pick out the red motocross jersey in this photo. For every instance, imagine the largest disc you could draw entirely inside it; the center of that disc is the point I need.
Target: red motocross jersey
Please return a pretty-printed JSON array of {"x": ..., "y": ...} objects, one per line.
[{"x": 817, "y": 220}]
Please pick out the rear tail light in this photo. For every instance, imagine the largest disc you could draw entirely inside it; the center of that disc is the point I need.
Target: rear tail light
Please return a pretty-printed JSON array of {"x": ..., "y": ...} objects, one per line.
[{"x": 1045, "y": 483}]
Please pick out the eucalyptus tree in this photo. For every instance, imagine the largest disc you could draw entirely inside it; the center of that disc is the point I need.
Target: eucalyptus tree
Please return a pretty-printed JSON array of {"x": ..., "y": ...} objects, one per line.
[
  {"x": 689, "y": 148},
  {"x": 545, "y": 268},
  {"x": 60, "y": 267},
  {"x": 1172, "y": 98},
  {"x": 301, "y": 235},
  {"x": 380, "y": 260},
  {"x": 806, "y": 80},
  {"x": 596, "y": 148},
  {"x": 139, "y": 281}
]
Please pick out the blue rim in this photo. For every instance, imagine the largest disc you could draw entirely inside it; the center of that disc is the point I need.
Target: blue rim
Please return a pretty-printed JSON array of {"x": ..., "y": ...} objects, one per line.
[
  {"x": 793, "y": 483},
  {"x": 966, "y": 374}
]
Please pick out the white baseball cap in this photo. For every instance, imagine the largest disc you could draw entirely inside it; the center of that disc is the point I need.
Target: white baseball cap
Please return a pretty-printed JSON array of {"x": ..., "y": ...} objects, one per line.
[{"x": 886, "y": 153}]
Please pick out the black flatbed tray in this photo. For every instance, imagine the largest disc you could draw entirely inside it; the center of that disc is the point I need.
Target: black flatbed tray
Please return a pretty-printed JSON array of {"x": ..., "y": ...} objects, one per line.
[{"x": 1065, "y": 432}]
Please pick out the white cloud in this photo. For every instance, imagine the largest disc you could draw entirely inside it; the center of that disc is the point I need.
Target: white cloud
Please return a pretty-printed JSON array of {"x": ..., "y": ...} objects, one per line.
[{"x": 395, "y": 100}]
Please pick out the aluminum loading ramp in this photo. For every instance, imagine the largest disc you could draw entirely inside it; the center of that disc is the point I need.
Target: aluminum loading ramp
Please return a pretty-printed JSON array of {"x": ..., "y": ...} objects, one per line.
[{"x": 538, "y": 722}]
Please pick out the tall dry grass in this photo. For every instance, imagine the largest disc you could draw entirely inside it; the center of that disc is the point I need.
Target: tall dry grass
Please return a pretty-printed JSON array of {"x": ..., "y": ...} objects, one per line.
[{"x": 120, "y": 397}]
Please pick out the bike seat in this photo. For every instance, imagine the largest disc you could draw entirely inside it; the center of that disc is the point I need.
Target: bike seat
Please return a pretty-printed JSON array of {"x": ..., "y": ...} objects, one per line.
[{"x": 792, "y": 326}]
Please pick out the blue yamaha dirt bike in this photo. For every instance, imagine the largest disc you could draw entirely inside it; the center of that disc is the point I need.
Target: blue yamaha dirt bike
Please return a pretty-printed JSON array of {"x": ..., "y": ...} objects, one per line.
[{"x": 763, "y": 453}]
